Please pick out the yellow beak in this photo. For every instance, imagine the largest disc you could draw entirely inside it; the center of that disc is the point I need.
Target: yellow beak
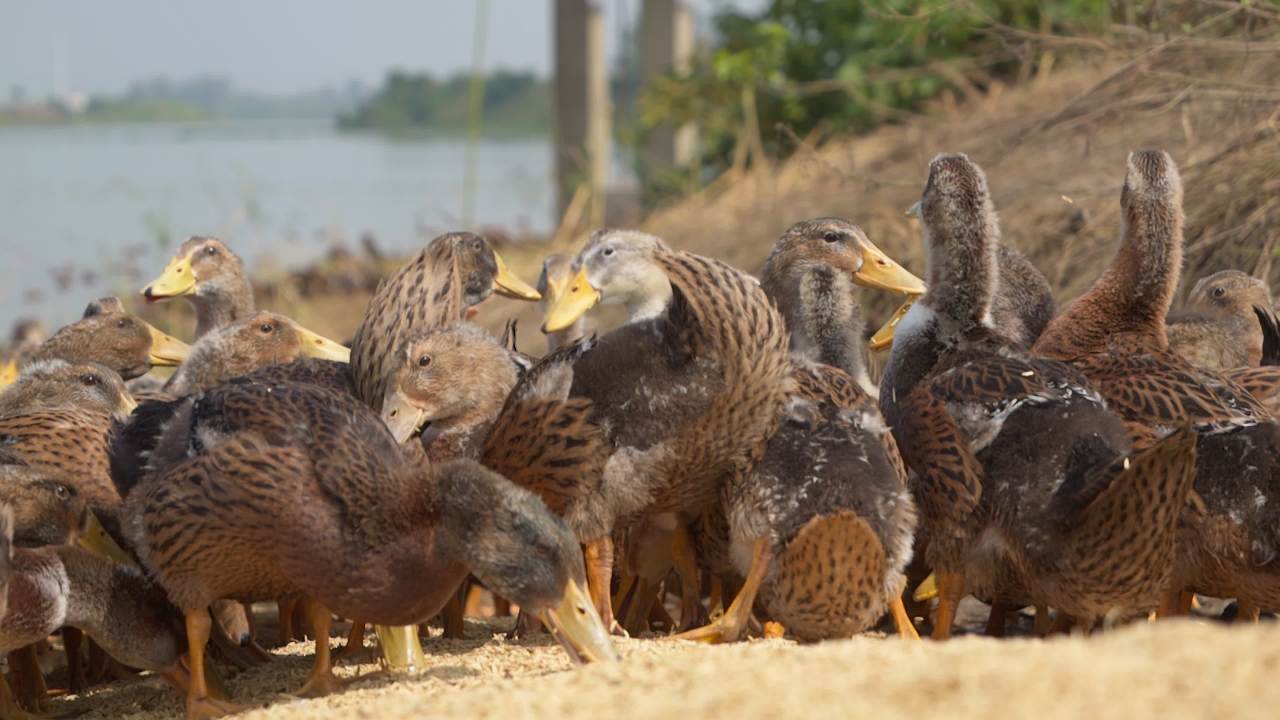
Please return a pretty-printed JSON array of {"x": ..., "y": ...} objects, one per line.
[
  {"x": 401, "y": 417},
  {"x": 176, "y": 280},
  {"x": 572, "y": 304},
  {"x": 318, "y": 346},
  {"x": 578, "y": 627},
  {"x": 881, "y": 272},
  {"x": 166, "y": 351},
  {"x": 401, "y": 651},
  {"x": 884, "y": 336},
  {"x": 506, "y": 283},
  {"x": 96, "y": 540},
  {"x": 926, "y": 590},
  {"x": 8, "y": 373}
]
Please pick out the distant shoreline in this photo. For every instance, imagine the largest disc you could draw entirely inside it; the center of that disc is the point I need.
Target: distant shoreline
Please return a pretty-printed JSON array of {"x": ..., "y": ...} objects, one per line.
[{"x": 325, "y": 124}]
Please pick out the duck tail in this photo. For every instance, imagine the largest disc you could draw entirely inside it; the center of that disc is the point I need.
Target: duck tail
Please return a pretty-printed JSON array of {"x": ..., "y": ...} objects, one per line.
[
  {"x": 723, "y": 313},
  {"x": 1270, "y": 335},
  {"x": 1135, "y": 499}
]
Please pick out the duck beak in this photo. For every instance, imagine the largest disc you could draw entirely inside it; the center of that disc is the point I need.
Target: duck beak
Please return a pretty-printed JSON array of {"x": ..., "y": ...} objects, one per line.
[
  {"x": 8, "y": 373},
  {"x": 884, "y": 336},
  {"x": 318, "y": 346},
  {"x": 926, "y": 590},
  {"x": 572, "y": 304},
  {"x": 166, "y": 351},
  {"x": 127, "y": 406},
  {"x": 401, "y": 417},
  {"x": 95, "y": 539},
  {"x": 883, "y": 273},
  {"x": 176, "y": 280},
  {"x": 914, "y": 210},
  {"x": 401, "y": 651},
  {"x": 506, "y": 283},
  {"x": 578, "y": 627}
]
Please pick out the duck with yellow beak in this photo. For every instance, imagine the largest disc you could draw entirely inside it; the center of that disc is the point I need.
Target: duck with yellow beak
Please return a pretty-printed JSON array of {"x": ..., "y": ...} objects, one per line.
[
  {"x": 211, "y": 277},
  {"x": 110, "y": 336},
  {"x": 247, "y": 345}
]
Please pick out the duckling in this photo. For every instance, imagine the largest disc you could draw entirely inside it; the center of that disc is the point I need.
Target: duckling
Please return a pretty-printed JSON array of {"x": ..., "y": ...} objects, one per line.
[
  {"x": 211, "y": 278},
  {"x": 1025, "y": 480},
  {"x": 437, "y": 287},
  {"x": 246, "y": 345},
  {"x": 1224, "y": 330},
  {"x": 109, "y": 336},
  {"x": 557, "y": 273},
  {"x": 374, "y": 536},
  {"x": 1227, "y": 536}
]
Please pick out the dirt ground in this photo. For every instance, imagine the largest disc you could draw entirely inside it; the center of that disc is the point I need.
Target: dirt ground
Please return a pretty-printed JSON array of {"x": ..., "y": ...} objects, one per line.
[{"x": 1172, "y": 669}]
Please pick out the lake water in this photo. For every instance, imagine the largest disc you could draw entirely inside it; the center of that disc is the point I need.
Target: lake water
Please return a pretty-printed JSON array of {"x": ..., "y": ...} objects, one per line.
[{"x": 90, "y": 210}]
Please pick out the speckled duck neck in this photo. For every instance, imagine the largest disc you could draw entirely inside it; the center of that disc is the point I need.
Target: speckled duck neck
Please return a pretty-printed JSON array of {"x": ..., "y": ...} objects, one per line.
[
  {"x": 219, "y": 306},
  {"x": 823, "y": 315}
]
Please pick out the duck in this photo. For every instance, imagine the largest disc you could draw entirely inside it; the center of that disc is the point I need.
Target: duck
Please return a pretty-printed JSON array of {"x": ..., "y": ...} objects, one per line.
[
  {"x": 557, "y": 273},
  {"x": 437, "y": 287},
  {"x": 776, "y": 530},
  {"x": 50, "y": 581},
  {"x": 646, "y": 419},
  {"x": 211, "y": 277},
  {"x": 375, "y": 536},
  {"x": 1228, "y": 316},
  {"x": 1120, "y": 341},
  {"x": 108, "y": 335},
  {"x": 1025, "y": 480},
  {"x": 241, "y": 347}
]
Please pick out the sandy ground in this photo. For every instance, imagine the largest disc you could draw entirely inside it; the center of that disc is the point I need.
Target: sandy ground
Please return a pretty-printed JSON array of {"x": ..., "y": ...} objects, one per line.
[{"x": 1173, "y": 669}]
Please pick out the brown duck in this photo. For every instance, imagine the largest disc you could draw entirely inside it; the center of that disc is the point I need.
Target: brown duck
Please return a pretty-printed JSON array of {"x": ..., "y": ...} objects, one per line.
[
  {"x": 371, "y": 535},
  {"x": 1025, "y": 481},
  {"x": 1223, "y": 328},
  {"x": 1228, "y": 536}
]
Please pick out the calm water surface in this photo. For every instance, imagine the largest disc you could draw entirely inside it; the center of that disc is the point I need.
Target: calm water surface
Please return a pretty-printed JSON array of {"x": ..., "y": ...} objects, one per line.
[{"x": 99, "y": 209}]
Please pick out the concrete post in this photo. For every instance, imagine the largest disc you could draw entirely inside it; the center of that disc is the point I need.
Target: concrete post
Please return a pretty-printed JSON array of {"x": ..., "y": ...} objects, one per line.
[
  {"x": 581, "y": 104},
  {"x": 666, "y": 44}
]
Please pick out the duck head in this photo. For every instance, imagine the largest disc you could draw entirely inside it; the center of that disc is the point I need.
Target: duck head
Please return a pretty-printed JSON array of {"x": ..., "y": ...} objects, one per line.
[
  {"x": 446, "y": 382},
  {"x": 108, "y": 335},
  {"x": 508, "y": 538},
  {"x": 53, "y": 384},
  {"x": 1229, "y": 294},
  {"x": 615, "y": 267},
  {"x": 211, "y": 277},
  {"x": 257, "y": 341}
]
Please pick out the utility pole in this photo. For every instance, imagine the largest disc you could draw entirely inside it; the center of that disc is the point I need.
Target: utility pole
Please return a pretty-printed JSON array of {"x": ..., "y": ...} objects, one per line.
[{"x": 581, "y": 105}]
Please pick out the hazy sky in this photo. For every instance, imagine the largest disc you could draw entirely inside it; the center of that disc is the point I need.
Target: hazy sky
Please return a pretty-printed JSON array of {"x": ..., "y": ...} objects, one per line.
[{"x": 270, "y": 45}]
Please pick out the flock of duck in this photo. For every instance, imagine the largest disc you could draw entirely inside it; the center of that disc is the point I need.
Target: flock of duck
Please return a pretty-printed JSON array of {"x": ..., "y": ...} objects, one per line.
[{"x": 1100, "y": 463}]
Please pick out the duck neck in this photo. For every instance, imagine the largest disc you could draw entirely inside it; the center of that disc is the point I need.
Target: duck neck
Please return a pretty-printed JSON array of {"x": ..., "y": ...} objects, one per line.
[
  {"x": 1141, "y": 281},
  {"x": 963, "y": 277},
  {"x": 223, "y": 304},
  {"x": 118, "y": 608},
  {"x": 823, "y": 314},
  {"x": 649, "y": 299}
]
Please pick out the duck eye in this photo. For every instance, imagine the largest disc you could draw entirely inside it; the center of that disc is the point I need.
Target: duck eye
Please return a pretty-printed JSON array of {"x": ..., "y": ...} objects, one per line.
[
  {"x": 89, "y": 380},
  {"x": 120, "y": 323},
  {"x": 1219, "y": 292},
  {"x": 62, "y": 491},
  {"x": 266, "y": 327},
  {"x": 211, "y": 250},
  {"x": 424, "y": 361},
  {"x": 608, "y": 251},
  {"x": 831, "y": 236}
]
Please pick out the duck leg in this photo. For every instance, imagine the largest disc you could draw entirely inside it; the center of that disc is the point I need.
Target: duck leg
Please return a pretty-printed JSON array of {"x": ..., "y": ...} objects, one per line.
[
  {"x": 997, "y": 619},
  {"x": 691, "y": 611},
  {"x": 355, "y": 650},
  {"x": 199, "y": 703},
  {"x": 453, "y": 614},
  {"x": 9, "y": 707},
  {"x": 901, "y": 620},
  {"x": 1174, "y": 603},
  {"x": 285, "y": 609},
  {"x": 715, "y": 597},
  {"x": 1044, "y": 623},
  {"x": 950, "y": 592},
  {"x": 732, "y": 625},
  {"x": 321, "y": 681},
  {"x": 29, "y": 678},
  {"x": 72, "y": 641},
  {"x": 1247, "y": 612},
  {"x": 599, "y": 561}
]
